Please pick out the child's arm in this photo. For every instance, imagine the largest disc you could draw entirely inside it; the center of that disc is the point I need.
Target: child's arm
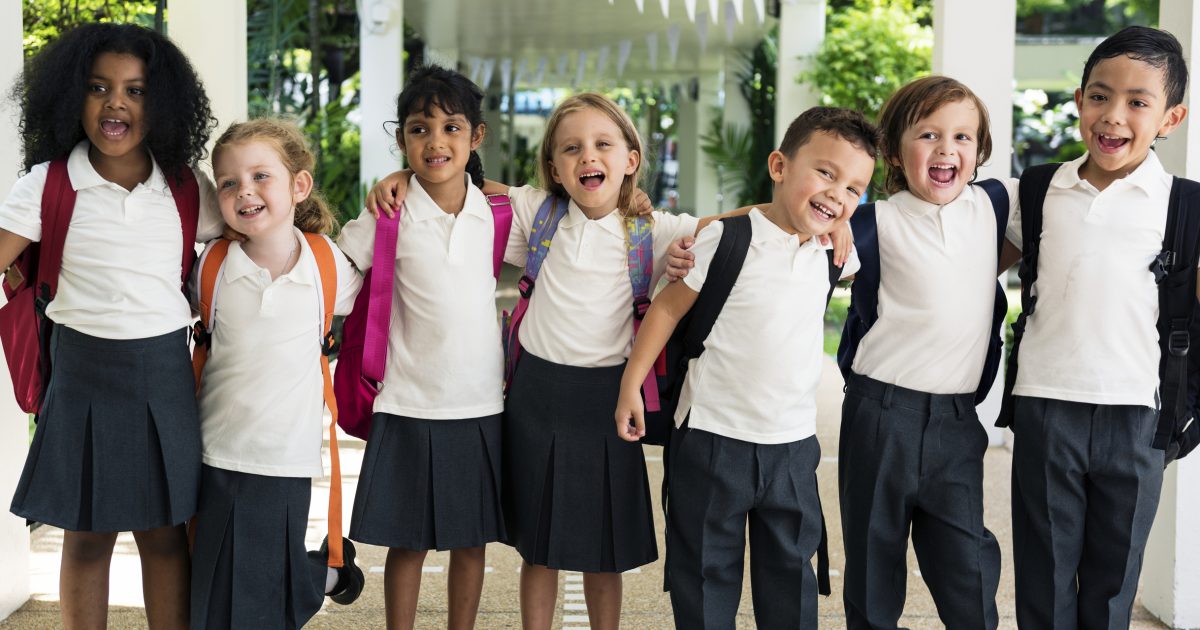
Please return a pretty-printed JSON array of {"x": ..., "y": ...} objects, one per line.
[
  {"x": 665, "y": 312},
  {"x": 1009, "y": 256},
  {"x": 11, "y": 246}
]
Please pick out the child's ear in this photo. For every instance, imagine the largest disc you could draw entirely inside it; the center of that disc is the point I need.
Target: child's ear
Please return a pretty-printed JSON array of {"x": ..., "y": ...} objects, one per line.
[
  {"x": 1078, "y": 99},
  {"x": 775, "y": 164},
  {"x": 635, "y": 158},
  {"x": 400, "y": 138},
  {"x": 477, "y": 135},
  {"x": 1173, "y": 118},
  {"x": 554, "y": 173},
  {"x": 302, "y": 185}
]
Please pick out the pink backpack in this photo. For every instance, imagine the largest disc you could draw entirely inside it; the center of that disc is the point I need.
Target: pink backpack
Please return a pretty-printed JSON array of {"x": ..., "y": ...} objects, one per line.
[{"x": 358, "y": 378}]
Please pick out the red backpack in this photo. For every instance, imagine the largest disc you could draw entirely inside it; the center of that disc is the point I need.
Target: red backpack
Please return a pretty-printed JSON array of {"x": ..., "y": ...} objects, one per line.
[
  {"x": 32, "y": 280},
  {"x": 363, "y": 356}
]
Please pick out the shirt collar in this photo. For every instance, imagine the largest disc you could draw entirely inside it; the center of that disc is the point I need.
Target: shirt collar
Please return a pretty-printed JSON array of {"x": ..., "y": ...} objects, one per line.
[
  {"x": 421, "y": 207},
  {"x": 613, "y": 222},
  {"x": 1149, "y": 176},
  {"x": 913, "y": 205},
  {"x": 238, "y": 264},
  {"x": 762, "y": 230},
  {"x": 83, "y": 174}
]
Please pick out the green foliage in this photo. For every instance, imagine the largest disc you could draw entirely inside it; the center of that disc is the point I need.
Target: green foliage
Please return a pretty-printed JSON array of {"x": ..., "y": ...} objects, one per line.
[
  {"x": 1045, "y": 130},
  {"x": 338, "y": 144},
  {"x": 870, "y": 50},
  {"x": 45, "y": 20},
  {"x": 835, "y": 319},
  {"x": 728, "y": 149}
]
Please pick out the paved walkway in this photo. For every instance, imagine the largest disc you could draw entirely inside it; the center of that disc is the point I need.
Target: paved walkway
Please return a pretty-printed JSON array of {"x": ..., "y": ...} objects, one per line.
[{"x": 646, "y": 606}]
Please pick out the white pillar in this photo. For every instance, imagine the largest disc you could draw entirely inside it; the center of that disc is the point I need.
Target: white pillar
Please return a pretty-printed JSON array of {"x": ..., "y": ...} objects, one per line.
[
  {"x": 213, "y": 36},
  {"x": 381, "y": 40},
  {"x": 698, "y": 191},
  {"x": 14, "y": 434},
  {"x": 957, "y": 42},
  {"x": 441, "y": 33},
  {"x": 1171, "y": 571},
  {"x": 801, "y": 31}
]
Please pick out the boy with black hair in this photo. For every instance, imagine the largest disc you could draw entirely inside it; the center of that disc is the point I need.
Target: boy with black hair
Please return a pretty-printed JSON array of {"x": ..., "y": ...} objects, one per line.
[
  {"x": 1085, "y": 402},
  {"x": 746, "y": 448}
]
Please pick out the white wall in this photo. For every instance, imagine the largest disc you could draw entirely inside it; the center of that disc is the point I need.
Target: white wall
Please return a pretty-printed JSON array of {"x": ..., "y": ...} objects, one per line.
[
  {"x": 212, "y": 34},
  {"x": 14, "y": 434}
]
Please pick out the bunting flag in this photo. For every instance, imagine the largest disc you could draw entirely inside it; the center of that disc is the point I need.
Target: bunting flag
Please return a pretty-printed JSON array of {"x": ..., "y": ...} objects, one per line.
[
  {"x": 623, "y": 51},
  {"x": 652, "y": 50},
  {"x": 730, "y": 20},
  {"x": 602, "y": 60},
  {"x": 739, "y": 9},
  {"x": 506, "y": 76},
  {"x": 690, "y": 5},
  {"x": 666, "y": 7},
  {"x": 580, "y": 68},
  {"x": 475, "y": 63},
  {"x": 485, "y": 79},
  {"x": 641, "y": 5},
  {"x": 760, "y": 9},
  {"x": 522, "y": 72},
  {"x": 702, "y": 30},
  {"x": 561, "y": 67},
  {"x": 714, "y": 7},
  {"x": 540, "y": 77},
  {"x": 673, "y": 33}
]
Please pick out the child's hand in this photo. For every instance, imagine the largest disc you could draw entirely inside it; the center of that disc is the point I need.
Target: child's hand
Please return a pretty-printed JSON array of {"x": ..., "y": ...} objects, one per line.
[
  {"x": 387, "y": 195},
  {"x": 641, "y": 202},
  {"x": 631, "y": 421},
  {"x": 233, "y": 235},
  {"x": 843, "y": 243},
  {"x": 679, "y": 259}
]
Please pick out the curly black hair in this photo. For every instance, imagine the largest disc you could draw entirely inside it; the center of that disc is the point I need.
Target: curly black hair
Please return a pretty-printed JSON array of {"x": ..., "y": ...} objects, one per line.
[{"x": 52, "y": 88}]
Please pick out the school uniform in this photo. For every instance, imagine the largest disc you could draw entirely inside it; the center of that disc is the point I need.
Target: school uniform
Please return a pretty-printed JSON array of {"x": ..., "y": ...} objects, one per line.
[
  {"x": 576, "y": 496},
  {"x": 1086, "y": 481},
  {"x": 430, "y": 477},
  {"x": 746, "y": 448},
  {"x": 261, "y": 424},
  {"x": 117, "y": 447},
  {"x": 911, "y": 446}
]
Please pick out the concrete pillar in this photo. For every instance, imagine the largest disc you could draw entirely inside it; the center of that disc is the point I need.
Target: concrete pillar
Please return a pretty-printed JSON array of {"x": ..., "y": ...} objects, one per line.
[
  {"x": 14, "y": 434},
  {"x": 957, "y": 46},
  {"x": 801, "y": 31},
  {"x": 381, "y": 40},
  {"x": 698, "y": 190},
  {"x": 1171, "y": 571},
  {"x": 220, "y": 64},
  {"x": 441, "y": 33}
]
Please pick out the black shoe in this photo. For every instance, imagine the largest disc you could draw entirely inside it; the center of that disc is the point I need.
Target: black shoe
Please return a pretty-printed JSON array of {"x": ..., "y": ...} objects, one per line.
[{"x": 350, "y": 580}]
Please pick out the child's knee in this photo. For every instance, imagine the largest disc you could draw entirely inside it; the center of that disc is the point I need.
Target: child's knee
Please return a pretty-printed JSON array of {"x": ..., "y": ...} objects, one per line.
[
  {"x": 88, "y": 547},
  {"x": 162, "y": 541}
]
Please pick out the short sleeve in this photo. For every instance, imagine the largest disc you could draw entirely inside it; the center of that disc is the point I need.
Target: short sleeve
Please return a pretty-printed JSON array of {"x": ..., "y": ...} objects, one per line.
[
  {"x": 349, "y": 281},
  {"x": 357, "y": 240},
  {"x": 852, "y": 265},
  {"x": 1013, "y": 232},
  {"x": 210, "y": 223},
  {"x": 703, "y": 249},
  {"x": 21, "y": 212},
  {"x": 525, "y": 203},
  {"x": 669, "y": 228}
]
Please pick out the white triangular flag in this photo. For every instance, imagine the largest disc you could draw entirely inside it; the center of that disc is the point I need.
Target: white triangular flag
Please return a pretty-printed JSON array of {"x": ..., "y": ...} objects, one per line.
[
  {"x": 522, "y": 72},
  {"x": 561, "y": 67},
  {"x": 506, "y": 75},
  {"x": 760, "y": 9},
  {"x": 475, "y": 63},
  {"x": 541, "y": 72},
  {"x": 602, "y": 60},
  {"x": 652, "y": 50},
  {"x": 702, "y": 30},
  {"x": 713, "y": 7},
  {"x": 666, "y": 7},
  {"x": 730, "y": 22},
  {"x": 641, "y": 5},
  {"x": 489, "y": 66},
  {"x": 623, "y": 50},
  {"x": 673, "y": 33},
  {"x": 690, "y": 5},
  {"x": 579, "y": 69},
  {"x": 739, "y": 9}
]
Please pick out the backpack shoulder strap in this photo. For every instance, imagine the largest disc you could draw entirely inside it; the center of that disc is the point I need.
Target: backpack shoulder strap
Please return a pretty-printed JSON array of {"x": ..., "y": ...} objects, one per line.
[
  {"x": 212, "y": 266},
  {"x": 186, "y": 192},
  {"x": 58, "y": 205},
  {"x": 998, "y": 195},
  {"x": 1175, "y": 271},
  {"x": 327, "y": 271},
  {"x": 502, "y": 216},
  {"x": 545, "y": 224},
  {"x": 723, "y": 272},
  {"x": 864, "y": 291},
  {"x": 639, "y": 238},
  {"x": 835, "y": 275}
]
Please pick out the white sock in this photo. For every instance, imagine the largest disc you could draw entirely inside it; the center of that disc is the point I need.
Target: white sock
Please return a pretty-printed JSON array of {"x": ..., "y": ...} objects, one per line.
[{"x": 331, "y": 578}]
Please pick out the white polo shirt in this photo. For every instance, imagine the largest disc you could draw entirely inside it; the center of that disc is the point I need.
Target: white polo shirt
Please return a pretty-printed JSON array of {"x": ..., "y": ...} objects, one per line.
[
  {"x": 261, "y": 397},
  {"x": 121, "y": 260},
  {"x": 757, "y": 378},
  {"x": 444, "y": 360},
  {"x": 1092, "y": 338},
  {"x": 937, "y": 283},
  {"x": 581, "y": 312}
]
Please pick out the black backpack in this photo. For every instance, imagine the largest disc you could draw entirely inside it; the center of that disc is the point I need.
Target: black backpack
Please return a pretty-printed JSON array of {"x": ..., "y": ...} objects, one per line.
[
  {"x": 1175, "y": 273},
  {"x": 864, "y": 291}
]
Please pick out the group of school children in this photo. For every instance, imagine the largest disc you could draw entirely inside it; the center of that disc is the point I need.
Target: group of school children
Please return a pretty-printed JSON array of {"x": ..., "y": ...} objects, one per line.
[{"x": 468, "y": 446}]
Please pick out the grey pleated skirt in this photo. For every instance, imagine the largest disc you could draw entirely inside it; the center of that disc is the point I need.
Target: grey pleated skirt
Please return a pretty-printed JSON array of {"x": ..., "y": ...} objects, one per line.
[
  {"x": 117, "y": 446},
  {"x": 429, "y": 484},
  {"x": 250, "y": 568},
  {"x": 576, "y": 496}
]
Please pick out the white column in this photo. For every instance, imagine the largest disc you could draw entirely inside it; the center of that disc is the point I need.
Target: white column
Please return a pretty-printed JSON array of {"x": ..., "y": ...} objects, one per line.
[
  {"x": 14, "y": 434},
  {"x": 957, "y": 42},
  {"x": 698, "y": 191},
  {"x": 213, "y": 36},
  {"x": 381, "y": 40},
  {"x": 801, "y": 31},
  {"x": 1171, "y": 570}
]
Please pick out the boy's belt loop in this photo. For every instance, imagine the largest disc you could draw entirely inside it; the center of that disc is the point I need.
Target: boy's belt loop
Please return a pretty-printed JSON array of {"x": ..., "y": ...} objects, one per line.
[
  {"x": 960, "y": 407},
  {"x": 887, "y": 395}
]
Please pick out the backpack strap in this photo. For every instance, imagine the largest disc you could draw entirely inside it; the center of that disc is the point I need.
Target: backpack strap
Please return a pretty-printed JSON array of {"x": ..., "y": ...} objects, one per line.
[
  {"x": 835, "y": 275},
  {"x": 998, "y": 195},
  {"x": 212, "y": 268},
  {"x": 1035, "y": 181},
  {"x": 723, "y": 272},
  {"x": 186, "y": 192},
  {"x": 58, "y": 205},
  {"x": 545, "y": 223},
  {"x": 502, "y": 216},
  {"x": 639, "y": 233},
  {"x": 864, "y": 291},
  {"x": 379, "y": 299}
]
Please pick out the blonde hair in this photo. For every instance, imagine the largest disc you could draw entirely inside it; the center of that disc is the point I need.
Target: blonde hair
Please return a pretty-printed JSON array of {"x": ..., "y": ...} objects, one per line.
[
  {"x": 606, "y": 106},
  {"x": 312, "y": 214}
]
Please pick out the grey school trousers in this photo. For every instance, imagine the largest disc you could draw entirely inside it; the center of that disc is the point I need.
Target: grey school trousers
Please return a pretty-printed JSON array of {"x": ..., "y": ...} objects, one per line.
[
  {"x": 912, "y": 460},
  {"x": 716, "y": 485},
  {"x": 1085, "y": 486}
]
